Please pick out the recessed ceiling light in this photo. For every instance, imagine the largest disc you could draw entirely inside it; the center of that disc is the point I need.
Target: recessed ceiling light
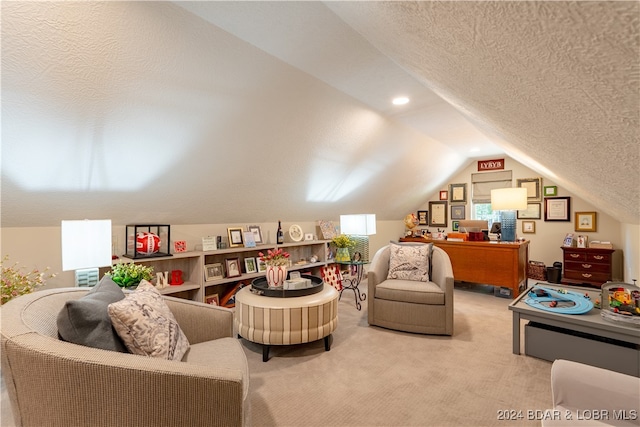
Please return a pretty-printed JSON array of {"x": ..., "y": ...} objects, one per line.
[{"x": 401, "y": 100}]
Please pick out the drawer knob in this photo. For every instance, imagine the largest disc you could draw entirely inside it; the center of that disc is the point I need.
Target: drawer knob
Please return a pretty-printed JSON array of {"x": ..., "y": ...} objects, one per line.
[
  {"x": 587, "y": 275},
  {"x": 586, "y": 265},
  {"x": 574, "y": 255},
  {"x": 598, "y": 257}
]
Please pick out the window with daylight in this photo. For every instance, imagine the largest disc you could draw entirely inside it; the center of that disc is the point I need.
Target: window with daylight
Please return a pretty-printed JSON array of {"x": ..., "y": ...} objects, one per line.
[{"x": 481, "y": 186}]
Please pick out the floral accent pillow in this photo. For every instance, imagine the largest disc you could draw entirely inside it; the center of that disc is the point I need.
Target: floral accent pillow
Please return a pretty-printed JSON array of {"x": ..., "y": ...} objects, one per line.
[
  {"x": 146, "y": 325},
  {"x": 409, "y": 262}
]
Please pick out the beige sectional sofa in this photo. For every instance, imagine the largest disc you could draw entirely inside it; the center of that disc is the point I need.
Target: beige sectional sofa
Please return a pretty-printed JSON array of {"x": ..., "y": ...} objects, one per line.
[{"x": 56, "y": 383}]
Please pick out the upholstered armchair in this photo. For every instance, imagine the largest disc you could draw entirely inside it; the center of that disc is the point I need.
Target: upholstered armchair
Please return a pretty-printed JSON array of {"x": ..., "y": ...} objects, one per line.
[{"x": 415, "y": 304}]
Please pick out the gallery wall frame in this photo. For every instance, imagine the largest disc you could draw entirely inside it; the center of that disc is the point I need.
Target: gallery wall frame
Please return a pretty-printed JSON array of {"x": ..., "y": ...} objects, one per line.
[
  {"x": 586, "y": 221},
  {"x": 458, "y": 212},
  {"x": 444, "y": 195},
  {"x": 533, "y": 186},
  {"x": 438, "y": 214},
  {"x": 458, "y": 193},
  {"x": 550, "y": 190},
  {"x": 557, "y": 209},
  {"x": 532, "y": 211},
  {"x": 423, "y": 217},
  {"x": 529, "y": 227},
  {"x": 455, "y": 225}
]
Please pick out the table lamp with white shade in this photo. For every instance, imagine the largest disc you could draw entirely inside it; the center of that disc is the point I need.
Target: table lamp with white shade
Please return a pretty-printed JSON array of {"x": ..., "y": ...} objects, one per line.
[
  {"x": 359, "y": 227},
  {"x": 86, "y": 245},
  {"x": 508, "y": 200}
]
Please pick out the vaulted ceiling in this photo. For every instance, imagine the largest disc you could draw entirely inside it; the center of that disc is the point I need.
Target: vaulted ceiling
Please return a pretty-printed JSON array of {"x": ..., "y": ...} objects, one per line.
[{"x": 223, "y": 112}]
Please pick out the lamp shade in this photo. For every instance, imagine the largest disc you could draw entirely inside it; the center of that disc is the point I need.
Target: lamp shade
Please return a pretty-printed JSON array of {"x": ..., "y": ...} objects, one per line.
[
  {"x": 360, "y": 224},
  {"x": 86, "y": 244},
  {"x": 507, "y": 199}
]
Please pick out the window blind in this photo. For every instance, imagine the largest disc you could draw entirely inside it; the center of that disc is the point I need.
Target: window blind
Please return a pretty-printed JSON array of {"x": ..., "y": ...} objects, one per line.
[{"x": 483, "y": 183}]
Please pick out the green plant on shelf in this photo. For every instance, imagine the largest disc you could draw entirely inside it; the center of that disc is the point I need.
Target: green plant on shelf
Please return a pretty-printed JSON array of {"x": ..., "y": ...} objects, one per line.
[{"x": 129, "y": 274}]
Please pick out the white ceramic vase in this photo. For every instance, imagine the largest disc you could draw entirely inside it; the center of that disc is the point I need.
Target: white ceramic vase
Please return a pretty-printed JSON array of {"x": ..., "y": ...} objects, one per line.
[{"x": 276, "y": 275}]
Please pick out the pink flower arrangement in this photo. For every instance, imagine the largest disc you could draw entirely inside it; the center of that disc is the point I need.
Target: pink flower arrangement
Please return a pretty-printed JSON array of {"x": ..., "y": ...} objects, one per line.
[
  {"x": 16, "y": 281},
  {"x": 273, "y": 258}
]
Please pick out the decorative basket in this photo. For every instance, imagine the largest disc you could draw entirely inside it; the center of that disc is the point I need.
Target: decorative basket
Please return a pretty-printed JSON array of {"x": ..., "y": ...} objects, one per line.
[{"x": 537, "y": 270}]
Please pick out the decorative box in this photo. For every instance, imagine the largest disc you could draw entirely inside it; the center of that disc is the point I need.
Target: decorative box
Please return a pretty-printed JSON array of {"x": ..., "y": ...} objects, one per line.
[{"x": 147, "y": 240}]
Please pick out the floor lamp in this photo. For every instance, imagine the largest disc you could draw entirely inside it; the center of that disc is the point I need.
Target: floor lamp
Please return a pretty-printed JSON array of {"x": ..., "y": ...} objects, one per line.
[
  {"x": 86, "y": 245},
  {"x": 359, "y": 227},
  {"x": 508, "y": 200}
]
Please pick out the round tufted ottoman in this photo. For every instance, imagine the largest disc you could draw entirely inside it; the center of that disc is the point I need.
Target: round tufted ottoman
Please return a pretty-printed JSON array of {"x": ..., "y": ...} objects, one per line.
[{"x": 283, "y": 321}]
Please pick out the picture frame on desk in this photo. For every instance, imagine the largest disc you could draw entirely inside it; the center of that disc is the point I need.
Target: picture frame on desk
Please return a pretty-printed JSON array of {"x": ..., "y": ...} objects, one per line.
[
  {"x": 212, "y": 299},
  {"x": 457, "y": 212},
  {"x": 257, "y": 233},
  {"x": 235, "y": 237},
  {"x": 250, "y": 265},
  {"x": 213, "y": 272},
  {"x": 533, "y": 186},
  {"x": 438, "y": 214},
  {"x": 532, "y": 211},
  {"x": 233, "y": 267},
  {"x": 423, "y": 217},
  {"x": 586, "y": 221},
  {"x": 557, "y": 209}
]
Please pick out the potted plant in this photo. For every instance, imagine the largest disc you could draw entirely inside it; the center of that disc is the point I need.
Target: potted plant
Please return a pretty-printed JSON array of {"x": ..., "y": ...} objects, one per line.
[
  {"x": 343, "y": 243},
  {"x": 276, "y": 262},
  {"x": 129, "y": 274},
  {"x": 16, "y": 282}
]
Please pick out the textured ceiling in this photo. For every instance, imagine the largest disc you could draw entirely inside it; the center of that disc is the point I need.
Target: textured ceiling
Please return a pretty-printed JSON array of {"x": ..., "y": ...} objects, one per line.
[{"x": 223, "y": 112}]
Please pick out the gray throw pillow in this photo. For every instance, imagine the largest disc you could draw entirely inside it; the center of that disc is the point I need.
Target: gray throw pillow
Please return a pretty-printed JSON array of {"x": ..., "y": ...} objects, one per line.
[{"x": 86, "y": 321}]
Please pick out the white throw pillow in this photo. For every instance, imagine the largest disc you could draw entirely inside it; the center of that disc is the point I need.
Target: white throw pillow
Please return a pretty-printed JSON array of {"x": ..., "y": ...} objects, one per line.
[
  {"x": 409, "y": 262},
  {"x": 147, "y": 326}
]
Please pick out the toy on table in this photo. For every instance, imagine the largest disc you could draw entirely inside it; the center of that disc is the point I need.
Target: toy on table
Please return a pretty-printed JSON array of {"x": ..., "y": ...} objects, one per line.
[{"x": 559, "y": 301}]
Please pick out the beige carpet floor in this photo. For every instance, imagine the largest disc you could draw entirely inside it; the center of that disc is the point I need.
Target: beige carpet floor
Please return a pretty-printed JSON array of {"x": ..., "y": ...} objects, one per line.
[{"x": 378, "y": 377}]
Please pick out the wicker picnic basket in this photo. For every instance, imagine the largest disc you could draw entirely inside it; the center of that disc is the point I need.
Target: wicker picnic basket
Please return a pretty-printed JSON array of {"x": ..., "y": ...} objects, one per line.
[{"x": 537, "y": 270}]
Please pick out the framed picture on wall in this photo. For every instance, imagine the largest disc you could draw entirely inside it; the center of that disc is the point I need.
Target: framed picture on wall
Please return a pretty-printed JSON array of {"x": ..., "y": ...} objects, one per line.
[
  {"x": 423, "y": 217},
  {"x": 586, "y": 221},
  {"x": 457, "y": 212},
  {"x": 455, "y": 225},
  {"x": 533, "y": 186},
  {"x": 438, "y": 214},
  {"x": 532, "y": 211},
  {"x": 550, "y": 190},
  {"x": 444, "y": 195},
  {"x": 458, "y": 193},
  {"x": 528, "y": 226},
  {"x": 557, "y": 209}
]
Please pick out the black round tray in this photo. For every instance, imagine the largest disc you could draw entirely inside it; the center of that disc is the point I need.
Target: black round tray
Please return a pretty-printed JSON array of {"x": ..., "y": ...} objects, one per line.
[{"x": 260, "y": 286}]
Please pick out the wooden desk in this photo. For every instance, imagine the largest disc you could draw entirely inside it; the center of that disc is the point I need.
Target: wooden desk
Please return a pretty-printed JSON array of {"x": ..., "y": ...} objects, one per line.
[{"x": 494, "y": 263}]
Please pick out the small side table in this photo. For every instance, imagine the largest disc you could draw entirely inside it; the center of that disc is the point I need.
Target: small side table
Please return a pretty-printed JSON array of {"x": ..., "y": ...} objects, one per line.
[{"x": 356, "y": 271}]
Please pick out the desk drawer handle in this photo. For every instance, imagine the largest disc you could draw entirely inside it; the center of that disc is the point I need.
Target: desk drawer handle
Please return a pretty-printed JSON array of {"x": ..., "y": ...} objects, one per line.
[
  {"x": 586, "y": 265},
  {"x": 598, "y": 257},
  {"x": 574, "y": 255},
  {"x": 587, "y": 275}
]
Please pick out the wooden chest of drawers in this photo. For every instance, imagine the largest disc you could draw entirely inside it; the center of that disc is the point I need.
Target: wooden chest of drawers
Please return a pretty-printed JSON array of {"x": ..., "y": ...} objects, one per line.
[{"x": 587, "y": 266}]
